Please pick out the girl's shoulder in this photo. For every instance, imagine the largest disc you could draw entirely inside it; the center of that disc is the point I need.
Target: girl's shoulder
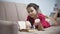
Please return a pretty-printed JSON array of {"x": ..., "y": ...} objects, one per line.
[
  {"x": 41, "y": 15},
  {"x": 28, "y": 16}
]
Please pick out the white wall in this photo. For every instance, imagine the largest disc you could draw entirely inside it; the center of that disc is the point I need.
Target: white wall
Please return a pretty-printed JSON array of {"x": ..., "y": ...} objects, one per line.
[{"x": 46, "y": 6}]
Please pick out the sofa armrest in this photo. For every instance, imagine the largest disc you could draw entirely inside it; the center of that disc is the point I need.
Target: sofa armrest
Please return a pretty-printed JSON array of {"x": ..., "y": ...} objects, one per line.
[{"x": 8, "y": 27}]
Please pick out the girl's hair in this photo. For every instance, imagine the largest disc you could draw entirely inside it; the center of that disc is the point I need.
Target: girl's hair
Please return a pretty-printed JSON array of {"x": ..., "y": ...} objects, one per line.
[{"x": 35, "y": 6}]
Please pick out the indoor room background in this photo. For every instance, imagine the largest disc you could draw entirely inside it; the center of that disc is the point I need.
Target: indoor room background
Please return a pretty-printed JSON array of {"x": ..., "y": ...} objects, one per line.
[{"x": 15, "y": 10}]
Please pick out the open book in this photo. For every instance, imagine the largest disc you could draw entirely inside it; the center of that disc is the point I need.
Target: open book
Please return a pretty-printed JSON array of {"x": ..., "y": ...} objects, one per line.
[{"x": 22, "y": 25}]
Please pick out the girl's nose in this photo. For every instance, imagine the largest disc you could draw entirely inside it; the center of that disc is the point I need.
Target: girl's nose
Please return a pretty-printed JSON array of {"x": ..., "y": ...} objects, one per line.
[{"x": 30, "y": 13}]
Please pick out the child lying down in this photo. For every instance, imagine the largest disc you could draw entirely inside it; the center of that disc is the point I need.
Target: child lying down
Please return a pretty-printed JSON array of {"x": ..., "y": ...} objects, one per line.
[
  {"x": 26, "y": 25},
  {"x": 36, "y": 20}
]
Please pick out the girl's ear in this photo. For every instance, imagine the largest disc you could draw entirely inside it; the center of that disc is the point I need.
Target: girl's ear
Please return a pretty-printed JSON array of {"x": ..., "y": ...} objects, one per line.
[{"x": 39, "y": 11}]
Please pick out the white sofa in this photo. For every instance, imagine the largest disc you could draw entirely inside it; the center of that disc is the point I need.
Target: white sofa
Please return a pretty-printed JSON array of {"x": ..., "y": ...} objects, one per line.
[
  {"x": 15, "y": 12},
  {"x": 11, "y": 27}
]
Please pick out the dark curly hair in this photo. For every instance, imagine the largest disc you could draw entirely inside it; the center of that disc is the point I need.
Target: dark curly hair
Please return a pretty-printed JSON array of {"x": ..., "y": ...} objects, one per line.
[{"x": 35, "y": 6}]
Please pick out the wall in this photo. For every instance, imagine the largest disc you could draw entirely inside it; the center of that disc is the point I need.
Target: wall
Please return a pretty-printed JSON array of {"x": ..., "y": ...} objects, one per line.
[
  {"x": 58, "y": 2},
  {"x": 46, "y": 6},
  {"x": 16, "y": 9}
]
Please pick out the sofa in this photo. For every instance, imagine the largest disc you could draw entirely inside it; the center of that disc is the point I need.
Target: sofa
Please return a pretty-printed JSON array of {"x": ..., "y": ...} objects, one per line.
[
  {"x": 50, "y": 30},
  {"x": 16, "y": 12},
  {"x": 11, "y": 27},
  {"x": 8, "y": 27}
]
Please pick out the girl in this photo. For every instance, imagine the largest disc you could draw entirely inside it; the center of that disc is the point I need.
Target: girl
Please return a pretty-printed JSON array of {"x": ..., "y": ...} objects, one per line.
[{"x": 37, "y": 19}]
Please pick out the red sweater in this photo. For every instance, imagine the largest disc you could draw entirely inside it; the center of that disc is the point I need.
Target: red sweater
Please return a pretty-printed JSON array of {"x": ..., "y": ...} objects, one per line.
[{"x": 44, "y": 23}]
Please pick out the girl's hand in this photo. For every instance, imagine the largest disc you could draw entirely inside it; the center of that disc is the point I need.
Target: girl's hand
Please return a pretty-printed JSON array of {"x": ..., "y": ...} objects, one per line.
[
  {"x": 28, "y": 25},
  {"x": 37, "y": 21}
]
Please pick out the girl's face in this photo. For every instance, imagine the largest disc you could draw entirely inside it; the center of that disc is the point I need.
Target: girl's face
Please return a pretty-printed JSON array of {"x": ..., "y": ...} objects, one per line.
[{"x": 32, "y": 12}]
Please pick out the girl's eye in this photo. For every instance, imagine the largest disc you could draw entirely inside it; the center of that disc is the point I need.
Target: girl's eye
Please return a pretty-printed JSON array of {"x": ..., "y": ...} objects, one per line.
[
  {"x": 28, "y": 11},
  {"x": 31, "y": 10}
]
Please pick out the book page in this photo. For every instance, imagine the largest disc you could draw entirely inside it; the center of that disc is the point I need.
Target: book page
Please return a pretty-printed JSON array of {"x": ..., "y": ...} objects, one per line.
[{"x": 22, "y": 24}]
